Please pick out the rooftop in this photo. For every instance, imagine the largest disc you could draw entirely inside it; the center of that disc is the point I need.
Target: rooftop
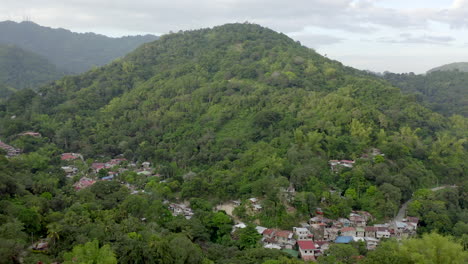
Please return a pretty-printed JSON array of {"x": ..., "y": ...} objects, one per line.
[{"x": 306, "y": 245}]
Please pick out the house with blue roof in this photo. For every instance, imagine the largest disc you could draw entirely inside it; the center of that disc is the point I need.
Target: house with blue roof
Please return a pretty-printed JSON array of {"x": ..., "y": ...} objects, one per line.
[{"x": 344, "y": 239}]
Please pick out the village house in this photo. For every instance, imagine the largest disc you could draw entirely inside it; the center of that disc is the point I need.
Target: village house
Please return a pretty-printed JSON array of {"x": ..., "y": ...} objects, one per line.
[
  {"x": 238, "y": 226},
  {"x": 360, "y": 231},
  {"x": 319, "y": 219},
  {"x": 114, "y": 162},
  {"x": 357, "y": 220},
  {"x": 255, "y": 203},
  {"x": 10, "y": 151},
  {"x": 370, "y": 231},
  {"x": 365, "y": 215},
  {"x": 268, "y": 233},
  {"x": 285, "y": 238},
  {"x": 302, "y": 233},
  {"x": 30, "y": 133},
  {"x": 181, "y": 209},
  {"x": 336, "y": 164},
  {"x": 70, "y": 156},
  {"x": 97, "y": 166},
  {"x": 83, "y": 183},
  {"x": 321, "y": 247},
  {"x": 382, "y": 232},
  {"x": 344, "y": 240},
  {"x": 306, "y": 250},
  {"x": 70, "y": 170},
  {"x": 348, "y": 231},
  {"x": 371, "y": 242},
  {"x": 318, "y": 231},
  {"x": 110, "y": 176},
  {"x": 146, "y": 165},
  {"x": 260, "y": 229},
  {"x": 331, "y": 233},
  {"x": 344, "y": 222},
  {"x": 41, "y": 245}
]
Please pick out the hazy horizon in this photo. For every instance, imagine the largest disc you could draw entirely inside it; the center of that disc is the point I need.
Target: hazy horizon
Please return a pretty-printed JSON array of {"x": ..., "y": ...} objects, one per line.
[{"x": 376, "y": 35}]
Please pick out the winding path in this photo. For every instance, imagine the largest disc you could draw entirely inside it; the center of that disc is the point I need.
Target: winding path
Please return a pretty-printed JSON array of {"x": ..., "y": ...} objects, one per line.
[{"x": 402, "y": 212}]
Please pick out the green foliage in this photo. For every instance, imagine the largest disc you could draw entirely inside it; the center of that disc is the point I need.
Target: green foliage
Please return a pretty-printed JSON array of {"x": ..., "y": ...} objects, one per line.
[
  {"x": 249, "y": 237},
  {"x": 340, "y": 253},
  {"x": 20, "y": 69},
  {"x": 440, "y": 90},
  {"x": 90, "y": 253},
  {"x": 431, "y": 248},
  {"x": 72, "y": 52},
  {"x": 233, "y": 112}
]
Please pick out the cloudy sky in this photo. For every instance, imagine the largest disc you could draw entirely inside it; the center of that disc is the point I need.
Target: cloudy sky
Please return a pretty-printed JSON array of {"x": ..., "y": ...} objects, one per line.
[{"x": 378, "y": 35}]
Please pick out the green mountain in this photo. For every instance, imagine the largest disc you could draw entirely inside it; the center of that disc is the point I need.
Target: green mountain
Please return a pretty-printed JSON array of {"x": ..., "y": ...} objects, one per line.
[
  {"x": 69, "y": 51},
  {"x": 20, "y": 69},
  {"x": 456, "y": 66},
  {"x": 233, "y": 112},
  {"x": 445, "y": 92},
  {"x": 246, "y": 109}
]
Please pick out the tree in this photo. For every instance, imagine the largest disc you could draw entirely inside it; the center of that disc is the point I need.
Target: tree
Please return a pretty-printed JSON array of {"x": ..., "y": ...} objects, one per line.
[
  {"x": 90, "y": 253},
  {"x": 249, "y": 237},
  {"x": 341, "y": 253},
  {"x": 434, "y": 249}
]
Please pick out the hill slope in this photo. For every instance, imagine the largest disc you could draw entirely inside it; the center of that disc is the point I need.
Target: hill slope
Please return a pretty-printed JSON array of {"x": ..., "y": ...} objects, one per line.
[
  {"x": 21, "y": 69},
  {"x": 249, "y": 110},
  {"x": 445, "y": 92},
  {"x": 456, "y": 66},
  {"x": 72, "y": 52}
]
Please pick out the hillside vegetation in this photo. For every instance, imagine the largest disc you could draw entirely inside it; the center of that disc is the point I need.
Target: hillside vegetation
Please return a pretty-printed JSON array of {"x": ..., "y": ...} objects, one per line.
[
  {"x": 232, "y": 112},
  {"x": 456, "y": 66},
  {"x": 445, "y": 92},
  {"x": 70, "y": 52},
  {"x": 21, "y": 69}
]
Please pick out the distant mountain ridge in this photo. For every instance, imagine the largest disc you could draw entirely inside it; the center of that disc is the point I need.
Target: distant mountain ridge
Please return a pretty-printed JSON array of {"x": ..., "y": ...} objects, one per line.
[
  {"x": 460, "y": 66},
  {"x": 69, "y": 51},
  {"x": 20, "y": 69},
  {"x": 443, "y": 91}
]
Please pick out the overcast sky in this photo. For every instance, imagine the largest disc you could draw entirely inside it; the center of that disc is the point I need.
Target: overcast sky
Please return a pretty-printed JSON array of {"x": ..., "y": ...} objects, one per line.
[{"x": 378, "y": 35}]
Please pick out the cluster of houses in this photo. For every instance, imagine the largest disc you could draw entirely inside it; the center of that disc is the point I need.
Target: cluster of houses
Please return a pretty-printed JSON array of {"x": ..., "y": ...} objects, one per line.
[
  {"x": 97, "y": 166},
  {"x": 10, "y": 150},
  {"x": 312, "y": 239},
  {"x": 181, "y": 209},
  {"x": 336, "y": 165},
  {"x": 85, "y": 181}
]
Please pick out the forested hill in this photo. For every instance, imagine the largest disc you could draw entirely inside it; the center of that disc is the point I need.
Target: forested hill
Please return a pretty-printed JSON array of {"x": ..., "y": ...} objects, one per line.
[
  {"x": 445, "y": 92},
  {"x": 69, "y": 51},
  {"x": 21, "y": 69},
  {"x": 247, "y": 110},
  {"x": 456, "y": 66}
]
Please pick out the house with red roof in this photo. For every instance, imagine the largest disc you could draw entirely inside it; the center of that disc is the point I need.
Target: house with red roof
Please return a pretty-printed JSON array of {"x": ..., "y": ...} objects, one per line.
[
  {"x": 83, "y": 183},
  {"x": 285, "y": 237},
  {"x": 306, "y": 250},
  {"x": 348, "y": 231},
  {"x": 370, "y": 231},
  {"x": 97, "y": 166},
  {"x": 70, "y": 156},
  {"x": 11, "y": 151}
]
